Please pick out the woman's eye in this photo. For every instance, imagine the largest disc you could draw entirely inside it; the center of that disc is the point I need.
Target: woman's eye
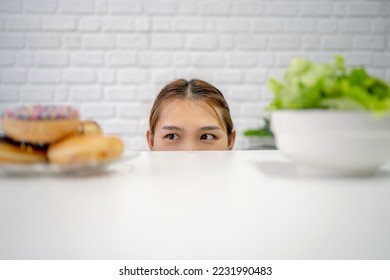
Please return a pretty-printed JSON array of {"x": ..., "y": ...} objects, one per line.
[
  {"x": 207, "y": 137},
  {"x": 172, "y": 136}
]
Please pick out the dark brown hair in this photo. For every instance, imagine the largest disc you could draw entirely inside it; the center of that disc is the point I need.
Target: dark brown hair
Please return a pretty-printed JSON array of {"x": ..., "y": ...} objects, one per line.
[{"x": 194, "y": 89}]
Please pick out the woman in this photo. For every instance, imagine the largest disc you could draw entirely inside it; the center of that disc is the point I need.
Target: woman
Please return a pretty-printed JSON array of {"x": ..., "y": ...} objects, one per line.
[{"x": 190, "y": 115}]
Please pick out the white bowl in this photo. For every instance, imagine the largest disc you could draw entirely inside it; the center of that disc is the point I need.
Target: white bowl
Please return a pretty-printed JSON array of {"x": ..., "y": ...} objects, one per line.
[{"x": 338, "y": 142}]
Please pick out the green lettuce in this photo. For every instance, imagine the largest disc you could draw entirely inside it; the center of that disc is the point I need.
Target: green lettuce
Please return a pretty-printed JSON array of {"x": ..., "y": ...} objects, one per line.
[{"x": 311, "y": 85}]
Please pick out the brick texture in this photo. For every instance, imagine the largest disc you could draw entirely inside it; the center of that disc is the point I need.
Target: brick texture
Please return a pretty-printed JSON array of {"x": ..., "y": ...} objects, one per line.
[{"x": 111, "y": 58}]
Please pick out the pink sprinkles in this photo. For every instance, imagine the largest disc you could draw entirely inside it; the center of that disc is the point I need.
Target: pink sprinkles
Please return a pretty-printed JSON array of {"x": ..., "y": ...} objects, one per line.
[{"x": 41, "y": 112}]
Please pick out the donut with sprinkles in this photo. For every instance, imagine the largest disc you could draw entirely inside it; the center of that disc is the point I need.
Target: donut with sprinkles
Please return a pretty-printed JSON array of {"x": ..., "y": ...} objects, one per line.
[{"x": 40, "y": 124}]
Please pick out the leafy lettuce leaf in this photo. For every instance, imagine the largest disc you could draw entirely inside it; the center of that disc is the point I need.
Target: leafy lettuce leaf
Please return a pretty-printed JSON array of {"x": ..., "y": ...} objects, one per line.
[{"x": 311, "y": 85}]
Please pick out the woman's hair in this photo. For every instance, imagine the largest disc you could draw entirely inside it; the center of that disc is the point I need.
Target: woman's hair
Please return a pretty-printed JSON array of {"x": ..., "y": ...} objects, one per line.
[{"x": 193, "y": 90}]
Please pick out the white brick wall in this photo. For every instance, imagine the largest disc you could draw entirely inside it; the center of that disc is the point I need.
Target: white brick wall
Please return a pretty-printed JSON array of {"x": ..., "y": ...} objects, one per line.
[{"x": 111, "y": 57}]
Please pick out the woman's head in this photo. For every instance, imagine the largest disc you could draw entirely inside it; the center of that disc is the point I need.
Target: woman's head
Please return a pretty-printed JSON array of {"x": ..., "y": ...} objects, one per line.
[{"x": 190, "y": 115}]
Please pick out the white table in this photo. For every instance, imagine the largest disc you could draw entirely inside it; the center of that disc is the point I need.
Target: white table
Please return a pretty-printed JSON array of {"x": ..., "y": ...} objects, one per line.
[{"x": 196, "y": 205}]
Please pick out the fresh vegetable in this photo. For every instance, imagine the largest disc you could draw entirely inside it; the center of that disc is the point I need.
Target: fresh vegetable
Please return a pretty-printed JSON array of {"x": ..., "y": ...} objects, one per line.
[
  {"x": 311, "y": 85},
  {"x": 264, "y": 131}
]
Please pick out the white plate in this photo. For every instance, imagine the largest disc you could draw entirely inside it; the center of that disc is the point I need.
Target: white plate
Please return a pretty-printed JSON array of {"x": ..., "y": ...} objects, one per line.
[{"x": 48, "y": 169}]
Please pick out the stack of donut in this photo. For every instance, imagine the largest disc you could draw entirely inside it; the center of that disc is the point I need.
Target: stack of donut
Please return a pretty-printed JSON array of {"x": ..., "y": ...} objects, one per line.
[{"x": 54, "y": 134}]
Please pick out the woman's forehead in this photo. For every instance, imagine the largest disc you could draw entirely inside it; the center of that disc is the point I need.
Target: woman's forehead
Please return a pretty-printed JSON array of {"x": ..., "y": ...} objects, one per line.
[{"x": 189, "y": 110}]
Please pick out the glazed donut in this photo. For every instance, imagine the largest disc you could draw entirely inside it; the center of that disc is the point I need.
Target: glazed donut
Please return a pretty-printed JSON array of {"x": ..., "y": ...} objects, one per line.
[
  {"x": 40, "y": 124},
  {"x": 14, "y": 152},
  {"x": 85, "y": 149},
  {"x": 90, "y": 127}
]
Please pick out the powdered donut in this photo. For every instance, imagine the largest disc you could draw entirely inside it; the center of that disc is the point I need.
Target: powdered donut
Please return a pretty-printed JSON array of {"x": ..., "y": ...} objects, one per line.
[
  {"x": 40, "y": 124},
  {"x": 84, "y": 149}
]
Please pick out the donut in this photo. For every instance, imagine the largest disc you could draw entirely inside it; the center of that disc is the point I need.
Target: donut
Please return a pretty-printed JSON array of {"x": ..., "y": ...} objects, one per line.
[
  {"x": 90, "y": 127},
  {"x": 14, "y": 152},
  {"x": 40, "y": 124},
  {"x": 85, "y": 149}
]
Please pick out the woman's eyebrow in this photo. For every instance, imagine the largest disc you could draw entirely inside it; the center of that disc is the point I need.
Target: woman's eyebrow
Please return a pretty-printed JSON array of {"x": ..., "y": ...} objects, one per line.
[
  {"x": 211, "y": 127},
  {"x": 172, "y": 127}
]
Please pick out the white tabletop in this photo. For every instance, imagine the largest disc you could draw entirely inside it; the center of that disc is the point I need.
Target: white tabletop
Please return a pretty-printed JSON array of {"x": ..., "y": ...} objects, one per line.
[{"x": 196, "y": 205}]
